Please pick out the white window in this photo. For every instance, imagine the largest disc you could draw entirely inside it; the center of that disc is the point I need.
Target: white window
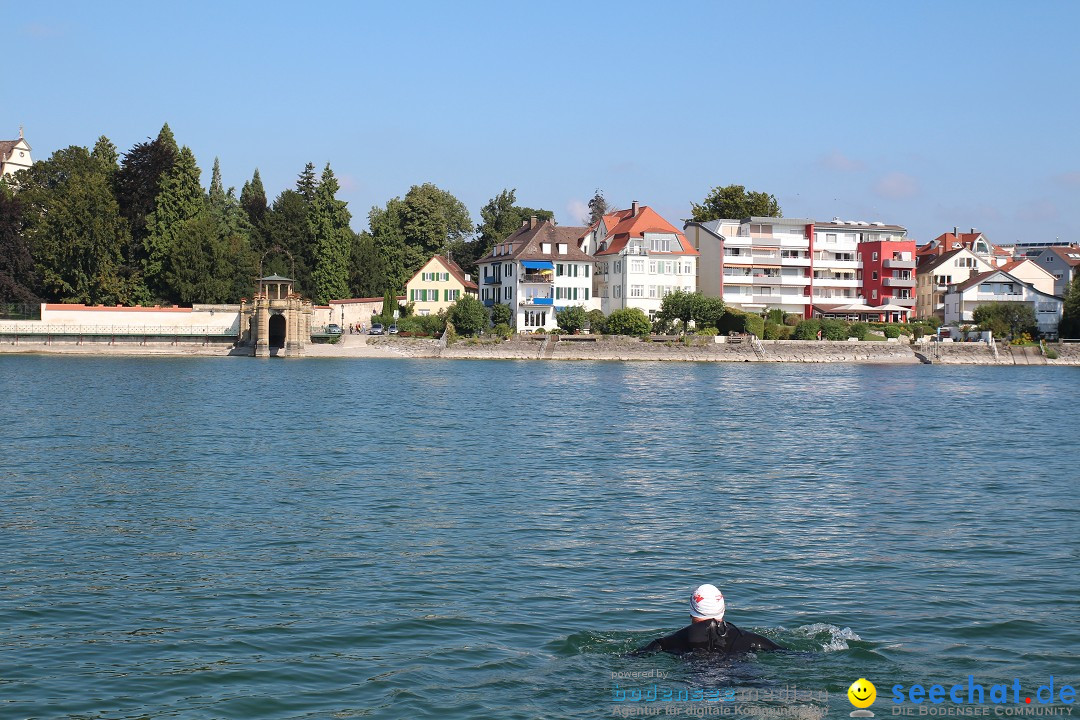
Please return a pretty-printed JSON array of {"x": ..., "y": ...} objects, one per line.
[
  {"x": 545, "y": 248},
  {"x": 562, "y": 248},
  {"x": 652, "y": 267},
  {"x": 830, "y": 237},
  {"x": 637, "y": 266},
  {"x": 637, "y": 291},
  {"x": 652, "y": 291}
]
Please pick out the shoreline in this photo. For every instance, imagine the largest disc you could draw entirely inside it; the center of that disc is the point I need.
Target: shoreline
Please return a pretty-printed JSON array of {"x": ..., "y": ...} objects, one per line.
[{"x": 605, "y": 349}]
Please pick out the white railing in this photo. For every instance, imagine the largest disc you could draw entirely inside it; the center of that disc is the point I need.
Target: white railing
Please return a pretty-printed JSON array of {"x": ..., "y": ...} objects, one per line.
[{"x": 160, "y": 330}]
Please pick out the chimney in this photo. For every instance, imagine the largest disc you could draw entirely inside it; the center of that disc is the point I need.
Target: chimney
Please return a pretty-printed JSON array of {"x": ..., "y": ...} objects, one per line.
[
  {"x": 633, "y": 209},
  {"x": 972, "y": 231},
  {"x": 532, "y": 221},
  {"x": 955, "y": 230}
]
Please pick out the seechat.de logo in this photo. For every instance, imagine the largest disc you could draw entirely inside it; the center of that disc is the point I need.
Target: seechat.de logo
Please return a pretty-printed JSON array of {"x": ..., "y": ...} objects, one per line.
[{"x": 862, "y": 694}]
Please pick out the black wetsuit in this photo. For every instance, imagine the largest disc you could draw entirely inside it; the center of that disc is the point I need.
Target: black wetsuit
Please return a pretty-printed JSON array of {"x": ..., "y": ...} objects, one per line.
[{"x": 711, "y": 636}]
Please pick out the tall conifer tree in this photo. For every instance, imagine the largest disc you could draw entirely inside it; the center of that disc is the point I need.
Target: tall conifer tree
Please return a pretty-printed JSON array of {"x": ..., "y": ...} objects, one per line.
[{"x": 329, "y": 219}]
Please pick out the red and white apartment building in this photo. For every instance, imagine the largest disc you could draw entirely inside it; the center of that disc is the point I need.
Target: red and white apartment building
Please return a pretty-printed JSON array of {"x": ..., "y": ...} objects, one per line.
[{"x": 851, "y": 269}]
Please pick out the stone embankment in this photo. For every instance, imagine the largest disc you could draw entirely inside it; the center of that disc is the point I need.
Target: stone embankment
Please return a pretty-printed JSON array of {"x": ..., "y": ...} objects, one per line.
[{"x": 581, "y": 348}]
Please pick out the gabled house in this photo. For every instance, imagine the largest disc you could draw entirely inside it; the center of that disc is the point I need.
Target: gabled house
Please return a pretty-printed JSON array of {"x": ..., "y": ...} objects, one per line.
[
  {"x": 936, "y": 272},
  {"x": 14, "y": 155},
  {"x": 438, "y": 285},
  {"x": 538, "y": 270},
  {"x": 640, "y": 258},
  {"x": 997, "y": 285},
  {"x": 1063, "y": 263}
]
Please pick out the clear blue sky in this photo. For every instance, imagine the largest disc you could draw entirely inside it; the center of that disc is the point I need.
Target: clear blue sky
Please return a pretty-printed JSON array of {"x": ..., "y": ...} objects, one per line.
[{"x": 926, "y": 114}]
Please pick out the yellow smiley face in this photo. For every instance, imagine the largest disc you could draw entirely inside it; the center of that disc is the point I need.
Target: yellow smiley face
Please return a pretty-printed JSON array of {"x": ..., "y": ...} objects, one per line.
[{"x": 862, "y": 693}]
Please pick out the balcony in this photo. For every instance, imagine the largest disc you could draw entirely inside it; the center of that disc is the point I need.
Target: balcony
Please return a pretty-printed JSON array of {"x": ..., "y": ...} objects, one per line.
[
  {"x": 537, "y": 278},
  {"x": 837, "y": 282},
  {"x": 795, "y": 261},
  {"x": 799, "y": 280},
  {"x": 766, "y": 279},
  {"x": 838, "y": 264},
  {"x": 898, "y": 264},
  {"x": 746, "y": 259},
  {"x": 489, "y": 302},
  {"x": 898, "y": 282},
  {"x": 537, "y": 300},
  {"x": 904, "y": 302},
  {"x": 492, "y": 280}
]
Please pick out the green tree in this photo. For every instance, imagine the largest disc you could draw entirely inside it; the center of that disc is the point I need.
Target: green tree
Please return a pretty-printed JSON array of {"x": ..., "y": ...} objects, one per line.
[
  {"x": 680, "y": 305},
  {"x": 708, "y": 311},
  {"x": 409, "y": 230},
  {"x": 735, "y": 202},
  {"x": 597, "y": 322},
  {"x": 571, "y": 319},
  {"x": 16, "y": 261},
  {"x": 367, "y": 278},
  {"x": 628, "y": 321},
  {"x": 307, "y": 183},
  {"x": 104, "y": 153},
  {"x": 1007, "y": 318},
  {"x": 138, "y": 181},
  {"x": 1070, "y": 317},
  {"x": 389, "y": 306},
  {"x": 201, "y": 267},
  {"x": 180, "y": 200},
  {"x": 468, "y": 315},
  {"x": 598, "y": 207},
  {"x": 501, "y": 314},
  {"x": 253, "y": 199},
  {"x": 286, "y": 242},
  {"x": 74, "y": 229},
  {"x": 329, "y": 219}
]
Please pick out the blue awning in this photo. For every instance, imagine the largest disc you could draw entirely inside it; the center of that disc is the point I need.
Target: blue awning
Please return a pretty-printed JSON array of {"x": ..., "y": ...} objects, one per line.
[{"x": 538, "y": 264}]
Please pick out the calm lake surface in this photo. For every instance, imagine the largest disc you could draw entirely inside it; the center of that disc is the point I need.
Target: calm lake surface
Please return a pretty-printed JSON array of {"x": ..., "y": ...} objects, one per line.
[{"x": 233, "y": 538}]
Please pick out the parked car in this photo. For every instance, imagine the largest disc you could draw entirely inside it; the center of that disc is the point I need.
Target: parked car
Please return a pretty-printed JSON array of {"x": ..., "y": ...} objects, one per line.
[
  {"x": 377, "y": 329},
  {"x": 392, "y": 330},
  {"x": 333, "y": 329}
]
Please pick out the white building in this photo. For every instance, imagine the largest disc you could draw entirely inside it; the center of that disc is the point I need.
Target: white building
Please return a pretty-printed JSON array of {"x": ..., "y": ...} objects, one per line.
[
  {"x": 14, "y": 155},
  {"x": 797, "y": 264},
  {"x": 538, "y": 270},
  {"x": 755, "y": 264},
  {"x": 999, "y": 286},
  {"x": 640, "y": 258}
]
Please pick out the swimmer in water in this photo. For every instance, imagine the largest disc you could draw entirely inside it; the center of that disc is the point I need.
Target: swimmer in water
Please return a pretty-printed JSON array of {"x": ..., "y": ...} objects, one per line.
[{"x": 708, "y": 631}]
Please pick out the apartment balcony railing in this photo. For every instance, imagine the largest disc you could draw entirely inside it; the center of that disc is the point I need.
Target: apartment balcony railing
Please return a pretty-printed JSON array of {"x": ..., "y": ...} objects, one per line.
[
  {"x": 794, "y": 280},
  {"x": 492, "y": 280},
  {"x": 891, "y": 264},
  {"x": 898, "y": 282},
  {"x": 838, "y": 264},
  {"x": 489, "y": 302},
  {"x": 795, "y": 261},
  {"x": 1009, "y": 297},
  {"x": 538, "y": 278},
  {"x": 905, "y": 302},
  {"x": 837, "y": 282},
  {"x": 537, "y": 300},
  {"x": 767, "y": 279}
]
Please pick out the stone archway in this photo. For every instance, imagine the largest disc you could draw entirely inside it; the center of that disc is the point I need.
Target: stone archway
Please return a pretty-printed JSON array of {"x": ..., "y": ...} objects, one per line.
[{"x": 277, "y": 331}]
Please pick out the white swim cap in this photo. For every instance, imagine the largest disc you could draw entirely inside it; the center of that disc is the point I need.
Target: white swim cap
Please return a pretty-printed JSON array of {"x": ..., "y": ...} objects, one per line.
[{"x": 707, "y": 602}]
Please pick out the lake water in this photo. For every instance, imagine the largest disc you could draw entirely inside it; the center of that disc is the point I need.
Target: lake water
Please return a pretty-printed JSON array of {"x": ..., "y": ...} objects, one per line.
[{"x": 233, "y": 538}]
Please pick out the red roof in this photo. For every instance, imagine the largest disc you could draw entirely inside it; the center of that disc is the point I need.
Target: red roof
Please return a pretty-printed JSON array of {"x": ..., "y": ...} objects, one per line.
[
  {"x": 457, "y": 272},
  {"x": 623, "y": 225},
  {"x": 944, "y": 243},
  {"x": 1064, "y": 252}
]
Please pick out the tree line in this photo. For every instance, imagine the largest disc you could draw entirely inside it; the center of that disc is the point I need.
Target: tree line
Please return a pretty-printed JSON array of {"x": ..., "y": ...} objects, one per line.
[{"x": 94, "y": 226}]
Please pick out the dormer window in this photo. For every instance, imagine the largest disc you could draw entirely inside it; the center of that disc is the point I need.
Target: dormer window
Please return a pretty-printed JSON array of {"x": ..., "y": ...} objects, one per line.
[
  {"x": 562, "y": 248},
  {"x": 545, "y": 248}
]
